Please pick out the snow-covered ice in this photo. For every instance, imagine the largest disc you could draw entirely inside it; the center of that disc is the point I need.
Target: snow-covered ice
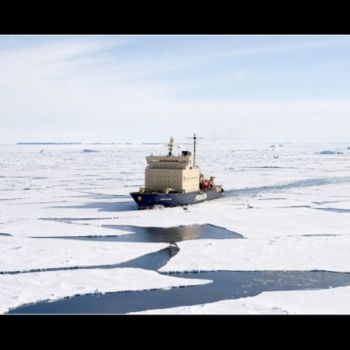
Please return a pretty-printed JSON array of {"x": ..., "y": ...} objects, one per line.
[
  {"x": 50, "y": 228},
  {"x": 290, "y": 202},
  {"x": 290, "y": 253},
  {"x": 23, "y": 254}
]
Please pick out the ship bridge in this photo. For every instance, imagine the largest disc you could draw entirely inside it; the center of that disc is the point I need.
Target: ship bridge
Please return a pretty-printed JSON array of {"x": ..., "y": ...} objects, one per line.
[{"x": 171, "y": 173}]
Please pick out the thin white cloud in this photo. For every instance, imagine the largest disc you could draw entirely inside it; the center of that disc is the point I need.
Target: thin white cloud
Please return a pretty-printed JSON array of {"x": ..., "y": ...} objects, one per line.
[{"x": 83, "y": 90}]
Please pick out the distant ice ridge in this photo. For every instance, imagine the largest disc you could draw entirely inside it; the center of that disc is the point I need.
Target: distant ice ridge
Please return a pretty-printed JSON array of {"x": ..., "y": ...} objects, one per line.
[
  {"x": 48, "y": 143},
  {"x": 329, "y": 152},
  {"x": 87, "y": 150}
]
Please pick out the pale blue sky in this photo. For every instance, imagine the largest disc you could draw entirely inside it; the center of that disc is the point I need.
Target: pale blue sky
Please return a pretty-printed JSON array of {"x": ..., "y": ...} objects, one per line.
[{"x": 146, "y": 88}]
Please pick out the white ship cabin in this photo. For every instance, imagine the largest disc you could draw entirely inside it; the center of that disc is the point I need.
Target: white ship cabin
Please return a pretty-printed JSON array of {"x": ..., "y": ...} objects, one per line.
[{"x": 167, "y": 174}]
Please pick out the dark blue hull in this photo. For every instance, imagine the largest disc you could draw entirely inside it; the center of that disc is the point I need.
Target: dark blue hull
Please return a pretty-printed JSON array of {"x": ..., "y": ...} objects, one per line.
[{"x": 148, "y": 200}]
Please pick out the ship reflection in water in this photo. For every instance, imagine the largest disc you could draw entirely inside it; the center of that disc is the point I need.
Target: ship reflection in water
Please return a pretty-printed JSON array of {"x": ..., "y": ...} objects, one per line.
[
  {"x": 175, "y": 234},
  {"x": 160, "y": 234}
]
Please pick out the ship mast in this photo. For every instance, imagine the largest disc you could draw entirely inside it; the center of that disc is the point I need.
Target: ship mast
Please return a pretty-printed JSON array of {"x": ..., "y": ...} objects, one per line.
[
  {"x": 170, "y": 146},
  {"x": 194, "y": 150}
]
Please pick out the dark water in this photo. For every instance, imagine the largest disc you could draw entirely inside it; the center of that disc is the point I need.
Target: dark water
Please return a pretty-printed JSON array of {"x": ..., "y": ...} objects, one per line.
[
  {"x": 152, "y": 261},
  {"x": 225, "y": 285},
  {"x": 161, "y": 234}
]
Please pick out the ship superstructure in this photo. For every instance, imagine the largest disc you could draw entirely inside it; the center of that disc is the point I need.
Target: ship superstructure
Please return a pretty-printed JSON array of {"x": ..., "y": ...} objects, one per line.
[{"x": 171, "y": 173}]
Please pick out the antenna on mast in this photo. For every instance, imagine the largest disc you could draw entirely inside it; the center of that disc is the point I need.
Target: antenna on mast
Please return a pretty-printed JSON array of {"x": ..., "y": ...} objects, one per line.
[{"x": 194, "y": 147}]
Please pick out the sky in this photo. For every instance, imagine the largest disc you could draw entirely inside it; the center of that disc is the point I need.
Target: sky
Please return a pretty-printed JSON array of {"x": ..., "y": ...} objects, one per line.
[{"x": 138, "y": 88}]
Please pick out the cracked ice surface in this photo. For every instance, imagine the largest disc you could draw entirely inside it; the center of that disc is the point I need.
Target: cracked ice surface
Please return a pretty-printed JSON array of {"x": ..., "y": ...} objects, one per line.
[{"x": 281, "y": 199}]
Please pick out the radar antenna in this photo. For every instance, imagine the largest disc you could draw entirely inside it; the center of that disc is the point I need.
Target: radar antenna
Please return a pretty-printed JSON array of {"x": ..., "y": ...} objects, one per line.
[{"x": 170, "y": 146}]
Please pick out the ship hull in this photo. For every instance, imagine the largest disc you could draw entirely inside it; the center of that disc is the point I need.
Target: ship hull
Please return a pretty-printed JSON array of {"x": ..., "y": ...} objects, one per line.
[{"x": 148, "y": 200}]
